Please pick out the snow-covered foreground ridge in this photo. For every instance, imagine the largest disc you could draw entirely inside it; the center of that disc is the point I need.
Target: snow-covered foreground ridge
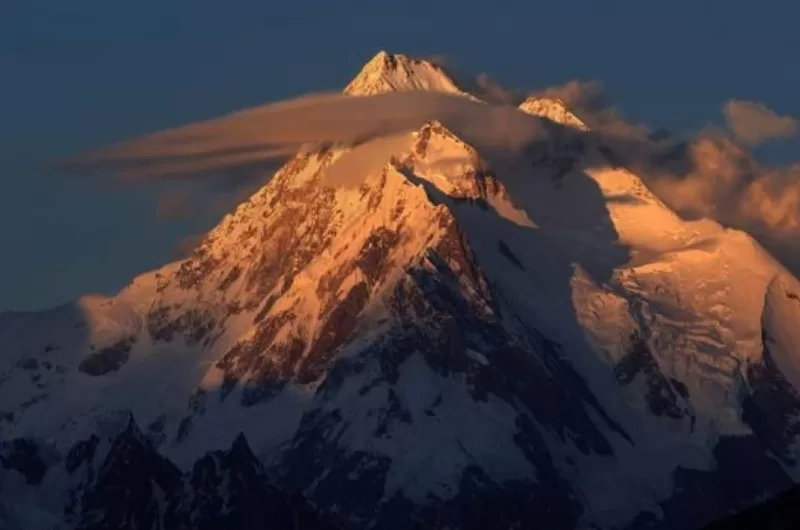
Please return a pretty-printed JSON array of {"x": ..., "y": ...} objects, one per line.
[{"x": 414, "y": 334}]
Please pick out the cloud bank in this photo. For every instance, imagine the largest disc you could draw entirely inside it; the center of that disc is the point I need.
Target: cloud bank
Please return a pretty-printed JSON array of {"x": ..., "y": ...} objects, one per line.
[{"x": 727, "y": 184}]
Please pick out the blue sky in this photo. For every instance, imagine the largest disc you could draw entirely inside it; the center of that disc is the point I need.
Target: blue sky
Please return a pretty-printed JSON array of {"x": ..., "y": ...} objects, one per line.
[{"x": 88, "y": 72}]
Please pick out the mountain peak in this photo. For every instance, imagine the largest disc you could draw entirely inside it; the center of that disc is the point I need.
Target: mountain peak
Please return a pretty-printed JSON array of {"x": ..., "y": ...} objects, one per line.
[
  {"x": 535, "y": 325},
  {"x": 553, "y": 109},
  {"x": 390, "y": 72}
]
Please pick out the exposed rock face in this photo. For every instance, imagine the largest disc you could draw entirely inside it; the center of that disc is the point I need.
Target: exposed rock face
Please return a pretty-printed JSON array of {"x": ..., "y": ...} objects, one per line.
[
  {"x": 109, "y": 359},
  {"x": 121, "y": 481},
  {"x": 22, "y": 455},
  {"x": 448, "y": 335}
]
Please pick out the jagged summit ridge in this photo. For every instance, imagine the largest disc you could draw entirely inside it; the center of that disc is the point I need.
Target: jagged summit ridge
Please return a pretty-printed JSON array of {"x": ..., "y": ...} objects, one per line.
[
  {"x": 553, "y": 109},
  {"x": 388, "y": 72}
]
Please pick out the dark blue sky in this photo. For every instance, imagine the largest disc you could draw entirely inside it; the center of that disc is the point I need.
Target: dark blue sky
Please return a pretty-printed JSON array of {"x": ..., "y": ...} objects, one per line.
[{"x": 86, "y": 72}]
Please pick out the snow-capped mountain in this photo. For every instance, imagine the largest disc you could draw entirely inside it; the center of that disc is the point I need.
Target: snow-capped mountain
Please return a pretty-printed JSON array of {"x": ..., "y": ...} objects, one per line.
[{"x": 444, "y": 340}]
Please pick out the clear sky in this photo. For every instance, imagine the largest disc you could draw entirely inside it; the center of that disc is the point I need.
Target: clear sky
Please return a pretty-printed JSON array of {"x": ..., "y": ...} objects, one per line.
[{"x": 82, "y": 73}]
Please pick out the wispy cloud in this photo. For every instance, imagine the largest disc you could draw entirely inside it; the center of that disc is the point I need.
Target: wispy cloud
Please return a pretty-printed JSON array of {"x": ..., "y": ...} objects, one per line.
[
  {"x": 483, "y": 86},
  {"x": 755, "y": 123},
  {"x": 588, "y": 99},
  {"x": 263, "y": 136}
]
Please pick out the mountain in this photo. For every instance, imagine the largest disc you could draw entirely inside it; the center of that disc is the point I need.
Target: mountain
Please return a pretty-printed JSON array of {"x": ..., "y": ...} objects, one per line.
[
  {"x": 117, "y": 479},
  {"x": 779, "y": 513},
  {"x": 439, "y": 337}
]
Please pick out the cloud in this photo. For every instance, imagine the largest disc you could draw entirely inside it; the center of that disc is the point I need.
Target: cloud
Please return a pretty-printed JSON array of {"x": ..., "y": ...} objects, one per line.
[
  {"x": 710, "y": 174},
  {"x": 487, "y": 89},
  {"x": 722, "y": 180},
  {"x": 350, "y": 169},
  {"x": 579, "y": 94},
  {"x": 725, "y": 182},
  {"x": 483, "y": 86},
  {"x": 441, "y": 60},
  {"x": 589, "y": 101},
  {"x": 755, "y": 123},
  {"x": 262, "y": 137}
]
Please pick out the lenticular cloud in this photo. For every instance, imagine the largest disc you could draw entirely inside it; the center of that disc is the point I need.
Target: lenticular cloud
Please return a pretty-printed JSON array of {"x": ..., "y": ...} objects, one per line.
[{"x": 272, "y": 132}]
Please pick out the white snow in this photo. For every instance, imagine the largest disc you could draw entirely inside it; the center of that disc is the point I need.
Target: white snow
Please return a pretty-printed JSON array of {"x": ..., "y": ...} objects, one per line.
[
  {"x": 553, "y": 109},
  {"x": 782, "y": 325},
  {"x": 396, "y": 72},
  {"x": 459, "y": 431}
]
